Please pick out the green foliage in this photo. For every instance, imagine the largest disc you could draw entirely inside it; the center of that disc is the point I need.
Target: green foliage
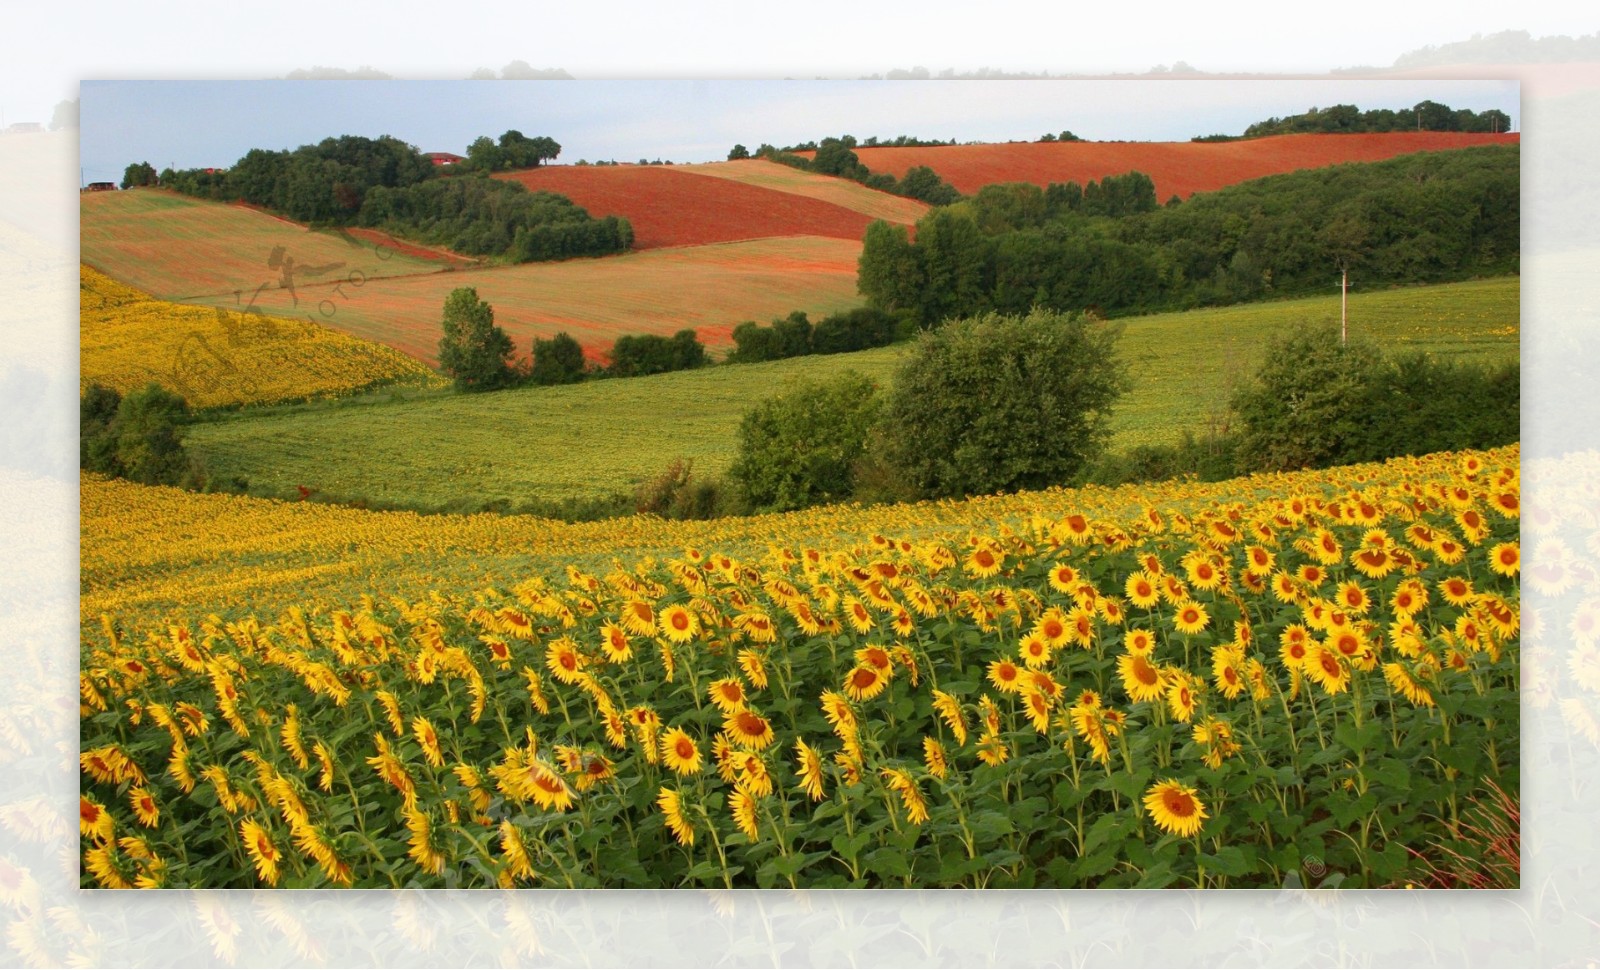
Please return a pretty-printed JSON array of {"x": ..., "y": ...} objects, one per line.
[
  {"x": 1347, "y": 119},
  {"x": 999, "y": 403},
  {"x": 1108, "y": 247},
  {"x": 835, "y": 157},
  {"x": 137, "y": 174},
  {"x": 677, "y": 493},
  {"x": 138, "y": 437},
  {"x": 474, "y": 352},
  {"x": 800, "y": 447},
  {"x": 1316, "y": 402},
  {"x": 636, "y": 355},
  {"x": 558, "y": 360},
  {"x": 386, "y": 183},
  {"x": 738, "y": 152}
]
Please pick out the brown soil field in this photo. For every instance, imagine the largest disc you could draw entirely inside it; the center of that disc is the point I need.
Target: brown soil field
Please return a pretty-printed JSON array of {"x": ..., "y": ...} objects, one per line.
[
  {"x": 671, "y": 207},
  {"x": 1178, "y": 168}
]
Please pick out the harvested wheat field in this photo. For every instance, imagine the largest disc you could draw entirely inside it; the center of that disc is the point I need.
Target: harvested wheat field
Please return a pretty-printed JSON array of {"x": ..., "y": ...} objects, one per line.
[
  {"x": 669, "y": 207},
  {"x": 1178, "y": 168},
  {"x": 783, "y": 178},
  {"x": 175, "y": 248},
  {"x": 710, "y": 289}
]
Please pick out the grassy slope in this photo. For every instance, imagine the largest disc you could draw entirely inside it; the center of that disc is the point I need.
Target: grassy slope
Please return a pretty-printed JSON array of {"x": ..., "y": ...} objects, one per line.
[
  {"x": 595, "y": 438},
  {"x": 174, "y": 247}
]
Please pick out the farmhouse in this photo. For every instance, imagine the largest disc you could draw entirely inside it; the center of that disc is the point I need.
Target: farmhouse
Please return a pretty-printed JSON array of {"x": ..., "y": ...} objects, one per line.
[{"x": 444, "y": 158}]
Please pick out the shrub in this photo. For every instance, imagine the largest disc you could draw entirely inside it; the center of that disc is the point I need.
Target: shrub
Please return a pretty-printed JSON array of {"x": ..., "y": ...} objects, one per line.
[
  {"x": 999, "y": 403},
  {"x": 558, "y": 360},
  {"x": 137, "y": 437},
  {"x": 641, "y": 354},
  {"x": 1316, "y": 402},
  {"x": 801, "y": 447}
]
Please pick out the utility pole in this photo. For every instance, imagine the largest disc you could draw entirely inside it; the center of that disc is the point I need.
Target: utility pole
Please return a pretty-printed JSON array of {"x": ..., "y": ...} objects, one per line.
[{"x": 1344, "y": 304}]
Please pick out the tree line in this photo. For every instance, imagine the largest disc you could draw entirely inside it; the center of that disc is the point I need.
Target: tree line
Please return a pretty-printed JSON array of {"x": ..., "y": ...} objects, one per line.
[
  {"x": 1423, "y": 218},
  {"x": 836, "y": 157},
  {"x": 384, "y": 183},
  {"x": 1349, "y": 119}
]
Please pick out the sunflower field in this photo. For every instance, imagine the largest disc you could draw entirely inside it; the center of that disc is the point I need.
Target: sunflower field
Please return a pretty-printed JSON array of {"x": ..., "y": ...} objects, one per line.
[
  {"x": 1313, "y": 674},
  {"x": 218, "y": 357}
]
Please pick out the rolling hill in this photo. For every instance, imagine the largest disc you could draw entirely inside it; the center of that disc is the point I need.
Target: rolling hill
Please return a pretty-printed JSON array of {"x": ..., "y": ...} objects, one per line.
[{"x": 1178, "y": 168}]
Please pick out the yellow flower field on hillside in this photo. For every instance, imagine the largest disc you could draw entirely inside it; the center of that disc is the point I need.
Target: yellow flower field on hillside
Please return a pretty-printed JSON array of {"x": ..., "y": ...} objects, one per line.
[{"x": 216, "y": 357}]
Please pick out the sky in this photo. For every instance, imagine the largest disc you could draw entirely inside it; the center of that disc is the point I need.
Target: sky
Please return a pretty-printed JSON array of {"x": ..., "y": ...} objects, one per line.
[{"x": 189, "y": 124}]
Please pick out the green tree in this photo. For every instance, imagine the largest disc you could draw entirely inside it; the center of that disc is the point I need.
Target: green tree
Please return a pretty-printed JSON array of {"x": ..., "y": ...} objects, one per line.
[
  {"x": 801, "y": 447},
  {"x": 138, "y": 437},
  {"x": 139, "y": 173},
  {"x": 1310, "y": 403},
  {"x": 474, "y": 352},
  {"x": 558, "y": 360},
  {"x": 738, "y": 152},
  {"x": 998, "y": 403},
  {"x": 97, "y": 446},
  {"x": 888, "y": 273}
]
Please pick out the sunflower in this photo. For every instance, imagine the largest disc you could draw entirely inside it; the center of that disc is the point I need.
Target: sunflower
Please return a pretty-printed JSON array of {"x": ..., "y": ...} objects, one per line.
[
  {"x": 263, "y": 854},
  {"x": 1139, "y": 641},
  {"x": 809, "y": 768},
  {"x": 1035, "y": 651},
  {"x": 1052, "y": 629},
  {"x": 1141, "y": 589},
  {"x": 1175, "y": 808},
  {"x": 1456, "y": 590},
  {"x": 841, "y": 717},
  {"x": 1216, "y": 737},
  {"x": 679, "y": 752},
  {"x": 564, "y": 660},
  {"x": 899, "y": 780},
  {"x": 727, "y": 694},
  {"x": 992, "y": 751},
  {"x": 1374, "y": 563},
  {"x": 1449, "y": 551},
  {"x": 144, "y": 807},
  {"x": 1402, "y": 683},
  {"x": 1190, "y": 617},
  {"x": 748, "y": 729},
  {"x": 933, "y": 755},
  {"x": 1038, "y": 705},
  {"x": 1180, "y": 697},
  {"x": 949, "y": 710},
  {"x": 1260, "y": 558},
  {"x": 639, "y": 618},
  {"x": 1329, "y": 672},
  {"x": 1063, "y": 578},
  {"x": 1141, "y": 679},
  {"x": 876, "y": 657},
  {"x": 1409, "y": 597},
  {"x": 1294, "y": 645},
  {"x": 864, "y": 682},
  {"x": 1352, "y": 598},
  {"x": 428, "y": 738},
  {"x": 743, "y": 804},
  {"x": 1325, "y": 548},
  {"x": 1090, "y": 726},
  {"x": 985, "y": 562},
  {"x": 1203, "y": 572},
  {"x": 671, "y": 804},
  {"x": 1110, "y": 610},
  {"x": 1505, "y": 559},
  {"x": 1005, "y": 675},
  {"x": 614, "y": 643},
  {"x": 678, "y": 623},
  {"x": 857, "y": 615},
  {"x": 94, "y": 821}
]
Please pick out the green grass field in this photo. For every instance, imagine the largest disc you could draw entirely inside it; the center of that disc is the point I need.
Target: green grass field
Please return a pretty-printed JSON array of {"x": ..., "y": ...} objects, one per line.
[{"x": 592, "y": 439}]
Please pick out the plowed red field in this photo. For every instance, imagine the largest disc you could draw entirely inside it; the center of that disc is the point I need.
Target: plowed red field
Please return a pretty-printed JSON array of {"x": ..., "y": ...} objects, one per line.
[
  {"x": 1178, "y": 168},
  {"x": 675, "y": 208}
]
